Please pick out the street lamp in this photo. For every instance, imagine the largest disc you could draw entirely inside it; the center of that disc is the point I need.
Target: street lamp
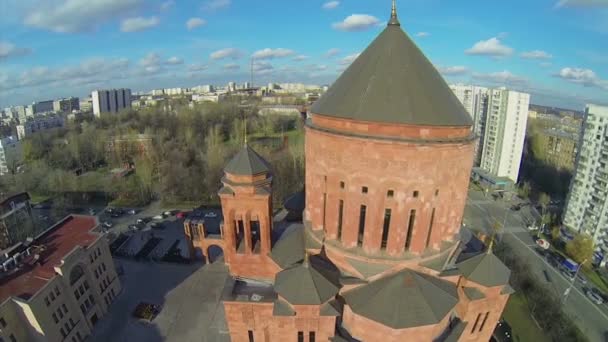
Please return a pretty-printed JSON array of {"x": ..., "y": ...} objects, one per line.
[{"x": 567, "y": 292}]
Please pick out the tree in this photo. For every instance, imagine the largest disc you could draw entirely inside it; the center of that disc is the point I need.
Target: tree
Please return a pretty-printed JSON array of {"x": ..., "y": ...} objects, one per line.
[
  {"x": 524, "y": 190},
  {"x": 555, "y": 233},
  {"x": 580, "y": 249}
]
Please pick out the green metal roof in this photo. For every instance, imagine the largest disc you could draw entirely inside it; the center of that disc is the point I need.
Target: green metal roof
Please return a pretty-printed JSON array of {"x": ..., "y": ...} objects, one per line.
[
  {"x": 405, "y": 299},
  {"x": 485, "y": 269},
  {"x": 305, "y": 284},
  {"x": 473, "y": 293},
  {"x": 289, "y": 250},
  {"x": 282, "y": 308},
  {"x": 247, "y": 162},
  {"x": 393, "y": 82},
  {"x": 331, "y": 308}
]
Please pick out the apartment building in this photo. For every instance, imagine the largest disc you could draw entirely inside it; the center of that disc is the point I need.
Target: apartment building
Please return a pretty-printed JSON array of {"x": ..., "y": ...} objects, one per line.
[
  {"x": 66, "y": 105},
  {"x": 110, "y": 101},
  {"x": 57, "y": 286},
  {"x": 475, "y": 101},
  {"x": 10, "y": 154},
  {"x": 587, "y": 203},
  {"x": 38, "y": 124},
  {"x": 560, "y": 148},
  {"x": 500, "y": 117}
]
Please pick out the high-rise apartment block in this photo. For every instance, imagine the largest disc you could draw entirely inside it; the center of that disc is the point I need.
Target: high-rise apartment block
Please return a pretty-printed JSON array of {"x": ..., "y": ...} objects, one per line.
[
  {"x": 110, "y": 101},
  {"x": 66, "y": 105},
  {"x": 500, "y": 117},
  {"x": 10, "y": 154},
  {"x": 587, "y": 203},
  {"x": 56, "y": 286},
  {"x": 39, "y": 124}
]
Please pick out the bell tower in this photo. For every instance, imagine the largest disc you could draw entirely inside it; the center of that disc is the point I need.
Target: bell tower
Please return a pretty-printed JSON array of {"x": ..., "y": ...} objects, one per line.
[{"x": 246, "y": 197}]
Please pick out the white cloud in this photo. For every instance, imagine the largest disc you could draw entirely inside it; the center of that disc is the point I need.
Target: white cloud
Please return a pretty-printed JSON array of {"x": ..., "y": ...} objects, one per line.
[
  {"x": 273, "y": 53},
  {"x": 332, "y": 52},
  {"x": 150, "y": 59},
  {"x": 8, "y": 49},
  {"x": 174, "y": 61},
  {"x": 422, "y": 34},
  {"x": 545, "y": 64},
  {"x": 581, "y": 3},
  {"x": 198, "y": 67},
  {"x": 193, "y": 23},
  {"x": 501, "y": 77},
  {"x": 585, "y": 77},
  {"x": 357, "y": 22},
  {"x": 70, "y": 16},
  {"x": 137, "y": 24},
  {"x": 349, "y": 59},
  {"x": 262, "y": 68},
  {"x": 231, "y": 66},
  {"x": 300, "y": 58},
  {"x": 331, "y": 5},
  {"x": 536, "y": 54},
  {"x": 165, "y": 6},
  {"x": 212, "y": 5},
  {"x": 491, "y": 47},
  {"x": 231, "y": 53},
  {"x": 454, "y": 70}
]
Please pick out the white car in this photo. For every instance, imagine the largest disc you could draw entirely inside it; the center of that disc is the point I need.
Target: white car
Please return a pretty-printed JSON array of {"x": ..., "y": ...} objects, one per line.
[
  {"x": 594, "y": 297},
  {"x": 158, "y": 217},
  {"x": 211, "y": 214},
  {"x": 532, "y": 228},
  {"x": 132, "y": 212}
]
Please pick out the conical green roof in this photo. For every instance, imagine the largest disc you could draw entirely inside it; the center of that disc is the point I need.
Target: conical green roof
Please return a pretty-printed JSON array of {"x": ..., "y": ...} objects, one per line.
[
  {"x": 247, "y": 162},
  {"x": 485, "y": 269},
  {"x": 306, "y": 284},
  {"x": 393, "y": 82}
]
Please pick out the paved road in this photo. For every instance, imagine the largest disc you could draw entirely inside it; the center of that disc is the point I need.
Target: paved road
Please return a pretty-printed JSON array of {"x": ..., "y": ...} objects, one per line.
[{"x": 481, "y": 212}]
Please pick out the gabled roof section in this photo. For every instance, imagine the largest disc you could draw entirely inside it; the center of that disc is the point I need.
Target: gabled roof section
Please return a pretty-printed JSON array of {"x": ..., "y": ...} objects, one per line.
[
  {"x": 282, "y": 308},
  {"x": 393, "y": 82},
  {"x": 405, "y": 299},
  {"x": 485, "y": 269},
  {"x": 247, "y": 162},
  {"x": 305, "y": 284}
]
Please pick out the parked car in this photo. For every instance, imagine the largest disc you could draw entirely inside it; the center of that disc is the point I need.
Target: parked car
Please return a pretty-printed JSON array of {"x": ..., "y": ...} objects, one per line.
[
  {"x": 133, "y": 227},
  {"x": 108, "y": 224},
  {"x": 182, "y": 214},
  {"x": 532, "y": 228},
  {"x": 168, "y": 213},
  {"x": 109, "y": 210},
  {"x": 604, "y": 296},
  {"x": 132, "y": 212},
  {"x": 566, "y": 273},
  {"x": 211, "y": 214},
  {"x": 92, "y": 211},
  {"x": 158, "y": 217},
  {"x": 143, "y": 220},
  {"x": 582, "y": 279},
  {"x": 516, "y": 207},
  {"x": 157, "y": 225},
  {"x": 594, "y": 297}
]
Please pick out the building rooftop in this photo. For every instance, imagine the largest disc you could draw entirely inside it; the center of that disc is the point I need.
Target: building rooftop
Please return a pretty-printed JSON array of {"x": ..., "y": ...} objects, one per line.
[
  {"x": 51, "y": 246},
  {"x": 485, "y": 269},
  {"x": 393, "y": 82},
  {"x": 247, "y": 162}
]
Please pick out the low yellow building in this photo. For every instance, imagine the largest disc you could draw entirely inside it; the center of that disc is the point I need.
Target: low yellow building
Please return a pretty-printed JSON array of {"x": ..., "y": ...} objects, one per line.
[{"x": 57, "y": 286}]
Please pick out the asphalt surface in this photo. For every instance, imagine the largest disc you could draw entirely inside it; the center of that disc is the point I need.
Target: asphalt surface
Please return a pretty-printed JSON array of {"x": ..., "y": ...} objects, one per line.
[{"x": 482, "y": 212}]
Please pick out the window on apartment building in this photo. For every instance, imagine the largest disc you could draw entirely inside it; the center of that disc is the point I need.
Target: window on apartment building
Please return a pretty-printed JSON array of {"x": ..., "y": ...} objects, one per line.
[
  {"x": 55, "y": 318},
  {"x": 72, "y": 322},
  {"x": 52, "y": 295},
  {"x": 96, "y": 275},
  {"x": 416, "y": 193},
  {"x": 86, "y": 285},
  {"x": 76, "y": 294},
  {"x": 46, "y": 301},
  {"x": 410, "y": 229},
  {"x": 390, "y": 193},
  {"x": 430, "y": 232},
  {"x": 342, "y": 185},
  {"x": 82, "y": 308},
  {"x": 483, "y": 323},
  {"x": 2, "y": 322},
  {"x": 362, "y": 214},
  {"x": 81, "y": 289},
  {"x": 364, "y": 190},
  {"x": 91, "y": 299},
  {"x": 250, "y": 334},
  {"x": 66, "y": 326},
  {"x": 65, "y": 308},
  {"x": 311, "y": 336},
  {"x": 340, "y": 215},
  {"x": 385, "y": 228},
  {"x": 300, "y": 336},
  {"x": 59, "y": 313},
  {"x": 476, "y": 322},
  {"x": 79, "y": 336},
  {"x": 87, "y": 304},
  {"x": 62, "y": 332},
  {"x": 12, "y": 338},
  {"x": 57, "y": 291},
  {"x": 103, "y": 266}
]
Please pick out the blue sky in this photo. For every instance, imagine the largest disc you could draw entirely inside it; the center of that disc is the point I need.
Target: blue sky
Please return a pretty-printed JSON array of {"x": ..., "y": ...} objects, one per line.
[{"x": 556, "y": 50}]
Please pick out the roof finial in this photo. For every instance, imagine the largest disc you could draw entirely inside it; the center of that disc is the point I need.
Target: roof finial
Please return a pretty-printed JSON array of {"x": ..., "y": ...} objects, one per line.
[{"x": 394, "y": 20}]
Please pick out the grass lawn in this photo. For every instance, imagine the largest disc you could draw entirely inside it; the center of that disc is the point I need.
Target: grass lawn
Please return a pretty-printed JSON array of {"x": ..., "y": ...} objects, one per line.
[
  {"x": 518, "y": 316},
  {"x": 596, "y": 279},
  {"x": 35, "y": 199}
]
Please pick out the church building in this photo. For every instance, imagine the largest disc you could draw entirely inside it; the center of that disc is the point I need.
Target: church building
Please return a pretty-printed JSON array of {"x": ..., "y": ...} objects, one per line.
[{"x": 377, "y": 255}]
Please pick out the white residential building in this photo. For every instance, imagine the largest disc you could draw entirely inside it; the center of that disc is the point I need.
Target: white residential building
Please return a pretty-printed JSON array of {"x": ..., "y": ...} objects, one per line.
[
  {"x": 500, "y": 117},
  {"x": 10, "y": 154},
  {"x": 110, "y": 101},
  {"x": 38, "y": 124},
  {"x": 587, "y": 203}
]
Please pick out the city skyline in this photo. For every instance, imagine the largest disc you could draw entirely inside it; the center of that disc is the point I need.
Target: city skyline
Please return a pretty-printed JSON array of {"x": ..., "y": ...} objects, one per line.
[{"x": 78, "y": 46}]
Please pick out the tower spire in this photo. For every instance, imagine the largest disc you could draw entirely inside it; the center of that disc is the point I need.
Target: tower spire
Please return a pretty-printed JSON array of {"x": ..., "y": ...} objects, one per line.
[{"x": 394, "y": 20}]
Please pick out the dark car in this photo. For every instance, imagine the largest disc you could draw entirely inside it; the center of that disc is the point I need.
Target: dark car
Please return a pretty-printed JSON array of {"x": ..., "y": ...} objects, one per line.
[
  {"x": 516, "y": 207},
  {"x": 157, "y": 225},
  {"x": 502, "y": 332}
]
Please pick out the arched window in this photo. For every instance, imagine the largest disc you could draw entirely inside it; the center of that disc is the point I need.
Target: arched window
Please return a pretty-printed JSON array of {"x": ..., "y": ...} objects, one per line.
[{"x": 77, "y": 273}]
